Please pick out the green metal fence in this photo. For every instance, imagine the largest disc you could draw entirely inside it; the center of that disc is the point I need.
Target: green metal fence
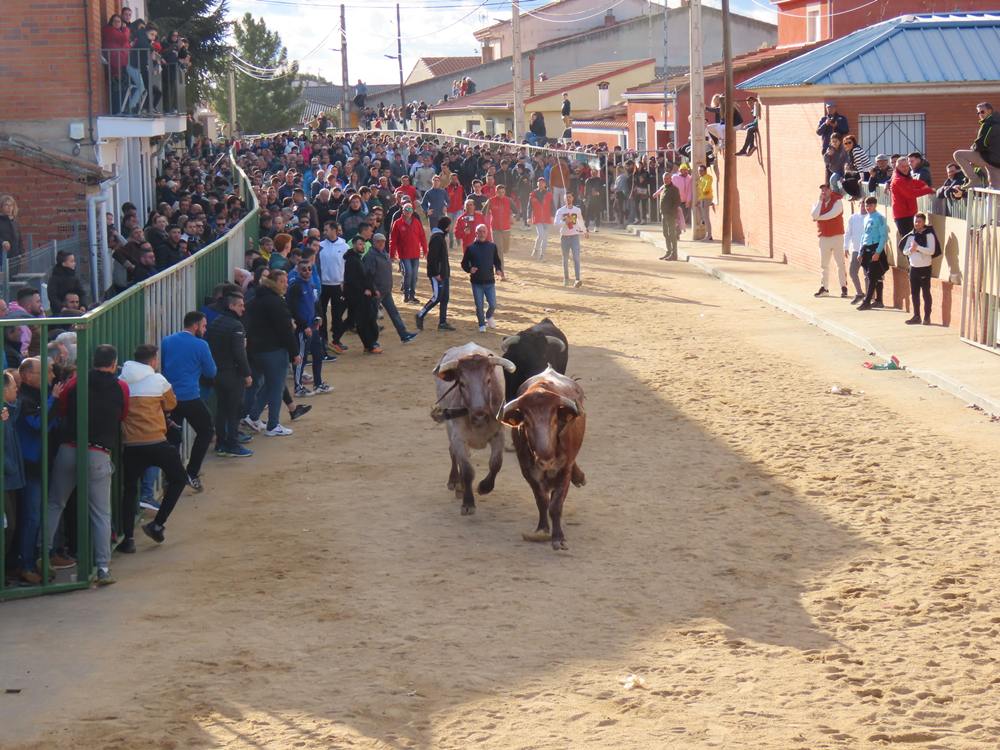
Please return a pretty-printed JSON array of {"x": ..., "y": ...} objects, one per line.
[{"x": 144, "y": 313}]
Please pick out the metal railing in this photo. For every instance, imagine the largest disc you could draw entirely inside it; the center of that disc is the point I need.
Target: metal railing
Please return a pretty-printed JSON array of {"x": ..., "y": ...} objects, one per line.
[
  {"x": 981, "y": 286},
  {"x": 142, "y": 83},
  {"x": 144, "y": 313}
]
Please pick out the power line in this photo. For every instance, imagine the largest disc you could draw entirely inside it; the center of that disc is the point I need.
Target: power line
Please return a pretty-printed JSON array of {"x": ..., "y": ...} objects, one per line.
[
  {"x": 820, "y": 14},
  {"x": 580, "y": 18}
]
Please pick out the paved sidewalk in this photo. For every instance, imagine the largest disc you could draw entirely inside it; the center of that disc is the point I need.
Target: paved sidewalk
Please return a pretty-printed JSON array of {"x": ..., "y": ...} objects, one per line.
[{"x": 932, "y": 353}]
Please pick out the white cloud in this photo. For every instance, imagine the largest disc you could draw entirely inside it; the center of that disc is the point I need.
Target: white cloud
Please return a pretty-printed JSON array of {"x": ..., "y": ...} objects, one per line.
[{"x": 371, "y": 34}]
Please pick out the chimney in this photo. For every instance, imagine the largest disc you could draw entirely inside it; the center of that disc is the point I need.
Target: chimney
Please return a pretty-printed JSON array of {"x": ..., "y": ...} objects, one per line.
[
  {"x": 609, "y": 18},
  {"x": 603, "y": 95}
]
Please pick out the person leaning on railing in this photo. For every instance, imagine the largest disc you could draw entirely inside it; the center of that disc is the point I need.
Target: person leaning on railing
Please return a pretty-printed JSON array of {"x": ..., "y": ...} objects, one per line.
[
  {"x": 985, "y": 151},
  {"x": 107, "y": 405}
]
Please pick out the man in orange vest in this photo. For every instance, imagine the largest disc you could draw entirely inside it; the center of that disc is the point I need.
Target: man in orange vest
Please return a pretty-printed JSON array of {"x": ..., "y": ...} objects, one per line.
[{"x": 828, "y": 213}]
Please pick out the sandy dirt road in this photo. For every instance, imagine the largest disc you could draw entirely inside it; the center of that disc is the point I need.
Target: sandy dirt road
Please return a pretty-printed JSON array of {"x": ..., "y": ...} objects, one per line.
[{"x": 785, "y": 568}]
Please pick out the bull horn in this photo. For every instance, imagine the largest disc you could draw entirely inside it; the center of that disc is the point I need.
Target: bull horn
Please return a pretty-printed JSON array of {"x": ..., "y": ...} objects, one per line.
[
  {"x": 556, "y": 342},
  {"x": 570, "y": 404},
  {"x": 508, "y": 342},
  {"x": 446, "y": 366},
  {"x": 504, "y": 363}
]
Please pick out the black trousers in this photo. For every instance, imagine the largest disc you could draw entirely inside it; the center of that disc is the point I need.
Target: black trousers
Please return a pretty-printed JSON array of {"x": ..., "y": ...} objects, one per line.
[
  {"x": 332, "y": 296},
  {"x": 229, "y": 391},
  {"x": 904, "y": 226},
  {"x": 874, "y": 271},
  {"x": 195, "y": 413},
  {"x": 365, "y": 313},
  {"x": 138, "y": 458},
  {"x": 920, "y": 282}
]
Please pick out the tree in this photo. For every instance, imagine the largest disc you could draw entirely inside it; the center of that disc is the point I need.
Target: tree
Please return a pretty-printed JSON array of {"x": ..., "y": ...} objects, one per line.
[
  {"x": 203, "y": 23},
  {"x": 313, "y": 78},
  {"x": 262, "y": 106}
]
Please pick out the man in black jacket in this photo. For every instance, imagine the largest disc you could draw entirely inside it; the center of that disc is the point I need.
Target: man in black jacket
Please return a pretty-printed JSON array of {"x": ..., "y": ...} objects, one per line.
[
  {"x": 480, "y": 261},
  {"x": 64, "y": 280},
  {"x": 169, "y": 253},
  {"x": 107, "y": 404},
  {"x": 985, "y": 152},
  {"x": 359, "y": 290},
  {"x": 439, "y": 273},
  {"x": 271, "y": 343},
  {"x": 228, "y": 341}
]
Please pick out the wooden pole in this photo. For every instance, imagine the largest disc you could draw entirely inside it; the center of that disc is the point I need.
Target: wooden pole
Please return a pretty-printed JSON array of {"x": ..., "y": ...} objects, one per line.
[
  {"x": 696, "y": 96},
  {"x": 729, "y": 183},
  {"x": 399, "y": 57},
  {"x": 515, "y": 24},
  {"x": 345, "y": 108},
  {"x": 232, "y": 99}
]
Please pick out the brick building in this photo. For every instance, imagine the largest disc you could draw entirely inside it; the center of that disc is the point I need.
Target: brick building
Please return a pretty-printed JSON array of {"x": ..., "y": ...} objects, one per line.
[
  {"x": 64, "y": 120},
  {"x": 894, "y": 102}
]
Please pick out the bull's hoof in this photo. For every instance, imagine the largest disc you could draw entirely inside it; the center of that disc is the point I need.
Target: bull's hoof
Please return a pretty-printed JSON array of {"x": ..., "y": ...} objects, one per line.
[
  {"x": 559, "y": 544},
  {"x": 540, "y": 535},
  {"x": 577, "y": 476},
  {"x": 468, "y": 510},
  {"x": 486, "y": 486}
]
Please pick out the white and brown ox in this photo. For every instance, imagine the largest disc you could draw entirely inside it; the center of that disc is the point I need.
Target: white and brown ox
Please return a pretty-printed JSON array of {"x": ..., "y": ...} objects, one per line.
[
  {"x": 548, "y": 424},
  {"x": 470, "y": 388}
]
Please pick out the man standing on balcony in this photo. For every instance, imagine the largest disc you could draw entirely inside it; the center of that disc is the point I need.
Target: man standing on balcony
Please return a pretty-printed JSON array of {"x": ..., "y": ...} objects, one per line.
[{"x": 187, "y": 360}]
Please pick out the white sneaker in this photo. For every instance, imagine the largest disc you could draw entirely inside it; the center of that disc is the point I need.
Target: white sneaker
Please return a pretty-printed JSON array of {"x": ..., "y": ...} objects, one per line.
[
  {"x": 254, "y": 424},
  {"x": 278, "y": 431},
  {"x": 482, "y": 329},
  {"x": 491, "y": 323}
]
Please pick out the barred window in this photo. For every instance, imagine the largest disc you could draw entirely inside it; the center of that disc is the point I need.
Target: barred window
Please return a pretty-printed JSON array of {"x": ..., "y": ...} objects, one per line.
[{"x": 892, "y": 134}]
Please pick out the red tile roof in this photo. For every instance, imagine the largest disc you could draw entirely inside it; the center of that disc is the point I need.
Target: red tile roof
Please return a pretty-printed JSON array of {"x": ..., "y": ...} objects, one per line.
[
  {"x": 446, "y": 66},
  {"x": 741, "y": 63},
  {"x": 502, "y": 96}
]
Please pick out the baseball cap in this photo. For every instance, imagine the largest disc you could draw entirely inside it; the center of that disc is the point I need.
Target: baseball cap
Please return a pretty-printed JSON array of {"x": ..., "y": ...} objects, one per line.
[{"x": 881, "y": 157}]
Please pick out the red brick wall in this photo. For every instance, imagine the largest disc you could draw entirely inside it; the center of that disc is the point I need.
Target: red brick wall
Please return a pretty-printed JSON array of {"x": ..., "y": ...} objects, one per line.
[
  {"x": 49, "y": 200},
  {"x": 778, "y": 184},
  {"x": 858, "y": 18},
  {"x": 792, "y": 22},
  {"x": 43, "y": 60},
  {"x": 595, "y": 139}
]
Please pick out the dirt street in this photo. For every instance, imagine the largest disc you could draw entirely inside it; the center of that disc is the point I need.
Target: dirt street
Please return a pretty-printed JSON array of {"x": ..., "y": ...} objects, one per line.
[{"x": 781, "y": 566}]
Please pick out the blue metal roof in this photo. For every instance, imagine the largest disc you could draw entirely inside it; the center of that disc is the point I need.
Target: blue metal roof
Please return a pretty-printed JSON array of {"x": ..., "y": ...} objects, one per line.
[{"x": 931, "y": 48}]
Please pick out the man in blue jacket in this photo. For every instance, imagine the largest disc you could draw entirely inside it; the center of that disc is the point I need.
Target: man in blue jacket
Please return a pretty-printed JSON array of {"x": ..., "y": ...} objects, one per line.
[
  {"x": 873, "y": 239},
  {"x": 301, "y": 298},
  {"x": 185, "y": 361}
]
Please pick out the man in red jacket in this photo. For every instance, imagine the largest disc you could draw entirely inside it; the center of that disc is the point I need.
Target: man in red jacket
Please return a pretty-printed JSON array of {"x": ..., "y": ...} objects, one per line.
[
  {"x": 408, "y": 243},
  {"x": 905, "y": 189},
  {"x": 499, "y": 210},
  {"x": 828, "y": 213},
  {"x": 465, "y": 231}
]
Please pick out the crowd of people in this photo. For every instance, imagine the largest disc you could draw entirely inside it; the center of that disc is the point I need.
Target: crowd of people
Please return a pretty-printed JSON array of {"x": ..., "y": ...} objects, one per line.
[
  {"x": 864, "y": 245},
  {"x": 145, "y": 70}
]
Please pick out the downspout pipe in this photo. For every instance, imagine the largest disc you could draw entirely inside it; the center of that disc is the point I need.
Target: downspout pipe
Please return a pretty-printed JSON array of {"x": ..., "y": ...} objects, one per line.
[{"x": 97, "y": 235}]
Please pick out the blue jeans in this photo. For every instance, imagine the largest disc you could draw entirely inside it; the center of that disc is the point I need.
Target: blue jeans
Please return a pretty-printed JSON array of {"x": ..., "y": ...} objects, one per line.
[
  {"x": 29, "y": 521},
  {"x": 570, "y": 244},
  {"x": 410, "y": 267},
  {"x": 138, "y": 87},
  {"x": 269, "y": 370},
  {"x": 389, "y": 305},
  {"x": 489, "y": 292},
  {"x": 149, "y": 477}
]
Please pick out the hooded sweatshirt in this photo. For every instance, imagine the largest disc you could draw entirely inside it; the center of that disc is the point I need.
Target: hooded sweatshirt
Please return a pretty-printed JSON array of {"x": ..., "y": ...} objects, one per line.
[{"x": 150, "y": 397}]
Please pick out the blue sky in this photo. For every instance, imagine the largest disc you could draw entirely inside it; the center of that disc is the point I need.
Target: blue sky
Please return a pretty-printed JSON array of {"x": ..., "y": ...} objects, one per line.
[{"x": 309, "y": 30}]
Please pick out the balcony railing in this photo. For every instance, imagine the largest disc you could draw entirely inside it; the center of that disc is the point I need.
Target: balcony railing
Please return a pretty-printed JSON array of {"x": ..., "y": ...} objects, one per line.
[{"x": 142, "y": 83}]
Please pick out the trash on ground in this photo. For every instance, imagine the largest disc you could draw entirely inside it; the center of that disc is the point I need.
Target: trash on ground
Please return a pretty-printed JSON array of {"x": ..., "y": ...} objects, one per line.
[
  {"x": 631, "y": 681},
  {"x": 892, "y": 364},
  {"x": 841, "y": 390}
]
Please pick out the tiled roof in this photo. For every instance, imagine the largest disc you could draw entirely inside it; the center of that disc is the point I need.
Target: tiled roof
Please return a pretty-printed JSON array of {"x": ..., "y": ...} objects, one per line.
[
  {"x": 501, "y": 97},
  {"x": 929, "y": 48},
  {"x": 741, "y": 63},
  {"x": 615, "y": 116},
  {"x": 446, "y": 66}
]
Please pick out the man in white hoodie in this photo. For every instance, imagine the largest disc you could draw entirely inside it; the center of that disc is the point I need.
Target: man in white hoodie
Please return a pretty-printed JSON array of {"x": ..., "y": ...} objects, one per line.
[{"x": 145, "y": 438}]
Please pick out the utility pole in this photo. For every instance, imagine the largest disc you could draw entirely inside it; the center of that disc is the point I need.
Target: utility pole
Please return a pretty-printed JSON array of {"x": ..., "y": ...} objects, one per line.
[
  {"x": 399, "y": 58},
  {"x": 345, "y": 109},
  {"x": 666, "y": 78},
  {"x": 232, "y": 99},
  {"x": 729, "y": 185},
  {"x": 696, "y": 94},
  {"x": 515, "y": 27}
]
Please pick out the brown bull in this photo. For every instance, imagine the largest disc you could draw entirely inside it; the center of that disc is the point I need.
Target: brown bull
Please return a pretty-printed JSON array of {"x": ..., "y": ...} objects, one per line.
[{"x": 548, "y": 423}]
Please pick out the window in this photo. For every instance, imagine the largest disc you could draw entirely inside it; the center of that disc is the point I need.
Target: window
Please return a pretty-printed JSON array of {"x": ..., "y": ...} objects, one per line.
[
  {"x": 892, "y": 134},
  {"x": 640, "y": 133},
  {"x": 491, "y": 127},
  {"x": 814, "y": 23},
  {"x": 472, "y": 126}
]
